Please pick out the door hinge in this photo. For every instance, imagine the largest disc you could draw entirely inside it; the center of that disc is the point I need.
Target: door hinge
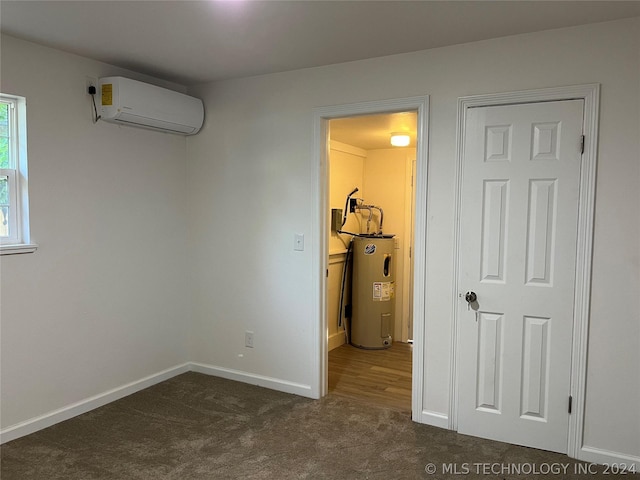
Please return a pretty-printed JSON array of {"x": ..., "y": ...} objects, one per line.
[
  {"x": 409, "y": 251},
  {"x": 582, "y": 144},
  {"x": 327, "y": 273},
  {"x": 570, "y": 402}
]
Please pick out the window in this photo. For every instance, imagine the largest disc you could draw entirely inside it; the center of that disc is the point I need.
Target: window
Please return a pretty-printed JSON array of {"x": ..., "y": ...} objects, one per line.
[{"x": 14, "y": 202}]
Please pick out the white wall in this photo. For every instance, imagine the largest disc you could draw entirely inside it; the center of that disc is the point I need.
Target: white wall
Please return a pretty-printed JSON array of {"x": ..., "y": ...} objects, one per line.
[
  {"x": 347, "y": 167},
  {"x": 102, "y": 302},
  {"x": 250, "y": 176}
]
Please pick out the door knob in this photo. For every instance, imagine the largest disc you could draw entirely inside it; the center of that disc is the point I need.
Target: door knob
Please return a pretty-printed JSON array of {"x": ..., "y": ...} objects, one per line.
[{"x": 470, "y": 297}]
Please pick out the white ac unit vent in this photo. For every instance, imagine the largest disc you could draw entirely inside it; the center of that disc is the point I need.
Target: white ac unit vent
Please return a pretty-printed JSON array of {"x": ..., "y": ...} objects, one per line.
[{"x": 138, "y": 104}]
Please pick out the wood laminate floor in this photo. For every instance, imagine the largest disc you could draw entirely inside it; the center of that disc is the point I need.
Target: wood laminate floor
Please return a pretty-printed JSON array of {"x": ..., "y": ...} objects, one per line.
[{"x": 379, "y": 377}]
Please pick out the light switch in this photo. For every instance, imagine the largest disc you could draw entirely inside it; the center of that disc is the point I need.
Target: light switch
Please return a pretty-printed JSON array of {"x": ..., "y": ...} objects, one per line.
[{"x": 298, "y": 242}]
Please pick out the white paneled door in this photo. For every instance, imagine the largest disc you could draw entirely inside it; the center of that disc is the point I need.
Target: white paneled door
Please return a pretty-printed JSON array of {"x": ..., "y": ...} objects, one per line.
[{"x": 520, "y": 193}]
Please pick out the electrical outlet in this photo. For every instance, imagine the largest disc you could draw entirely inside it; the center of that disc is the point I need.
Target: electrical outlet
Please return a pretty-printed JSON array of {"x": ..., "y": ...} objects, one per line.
[
  {"x": 90, "y": 82},
  {"x": 248, "y": 339}
]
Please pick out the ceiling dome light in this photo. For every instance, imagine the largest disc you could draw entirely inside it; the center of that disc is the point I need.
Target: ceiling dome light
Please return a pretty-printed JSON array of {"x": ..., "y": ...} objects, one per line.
[{"x": 400, "y": 139}]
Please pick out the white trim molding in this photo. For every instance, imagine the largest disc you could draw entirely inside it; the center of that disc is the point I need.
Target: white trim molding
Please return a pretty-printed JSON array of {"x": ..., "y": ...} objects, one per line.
[
  {"x": 345, "y": 148},
  {"x": 435, "y": 419},
  {"x": 321, "y": 117},
  {"x": 18, "y": 240},
  {"x": 83, "y": 406},
  {"x": 590, "y": 93},
  {"x": 336, "y": 339},
  {"x": 41, "y": 422},
  {"x": 607, "y": 457},
  {"x": 253, "y": 379},
  {"x": 18, "y": 248}
]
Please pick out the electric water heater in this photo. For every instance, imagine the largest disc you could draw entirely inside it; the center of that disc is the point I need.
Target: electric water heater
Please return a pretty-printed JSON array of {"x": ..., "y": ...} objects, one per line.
[{"x": 373, "y": 293}]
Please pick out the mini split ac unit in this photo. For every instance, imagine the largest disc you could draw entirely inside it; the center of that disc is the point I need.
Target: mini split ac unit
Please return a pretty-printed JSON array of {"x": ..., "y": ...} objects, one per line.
[{"x": 129, "y": 102}]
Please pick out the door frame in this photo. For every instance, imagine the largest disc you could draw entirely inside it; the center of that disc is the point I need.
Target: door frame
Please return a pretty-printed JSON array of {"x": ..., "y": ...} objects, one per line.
[
  {"x": 590, "y": 93},
  {"x": 321, "y": 117},
  {"x": 407, "y": 280}
]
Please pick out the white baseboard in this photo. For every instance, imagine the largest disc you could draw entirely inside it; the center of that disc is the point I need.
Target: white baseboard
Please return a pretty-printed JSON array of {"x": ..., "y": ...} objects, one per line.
[
  {"x": 587, "y": 454},
  {"x": 83, "y": 406},
  {"x": 606, "y": 457},
  {"x": 253, "y": 379},
  {"x": 336, "y": 340},
  {"x": 435, "y": 419}
]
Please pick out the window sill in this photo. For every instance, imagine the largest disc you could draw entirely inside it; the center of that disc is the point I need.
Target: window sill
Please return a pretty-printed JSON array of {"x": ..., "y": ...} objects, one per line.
[{"x": 18, "y": 248}]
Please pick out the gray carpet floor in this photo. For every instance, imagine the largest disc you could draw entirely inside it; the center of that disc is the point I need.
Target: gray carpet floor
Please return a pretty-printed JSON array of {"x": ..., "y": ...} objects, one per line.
[{"x": 200, "y": 427}]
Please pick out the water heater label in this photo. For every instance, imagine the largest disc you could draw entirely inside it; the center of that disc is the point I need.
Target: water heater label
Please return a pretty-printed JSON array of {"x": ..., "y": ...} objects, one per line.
[
  {"x": 382, "y": 291},
  {"x": 370, "y": 249}
]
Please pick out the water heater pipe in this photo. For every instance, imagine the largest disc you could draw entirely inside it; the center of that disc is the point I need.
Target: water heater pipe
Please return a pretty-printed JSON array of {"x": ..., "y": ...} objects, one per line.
[
  {"x": 360, "y": 206},
  {"x": 363, "y": 206}
]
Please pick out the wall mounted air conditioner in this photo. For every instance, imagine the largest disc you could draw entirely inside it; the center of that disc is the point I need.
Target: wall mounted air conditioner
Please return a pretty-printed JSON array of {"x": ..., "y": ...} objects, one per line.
[{"x": 129, "y": 102}]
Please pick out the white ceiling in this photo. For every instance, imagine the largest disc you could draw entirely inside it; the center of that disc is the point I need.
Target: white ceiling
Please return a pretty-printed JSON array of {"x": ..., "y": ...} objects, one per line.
[
  {"x": 373, "y": 132},
  {"x": 191, "y": 42}
]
